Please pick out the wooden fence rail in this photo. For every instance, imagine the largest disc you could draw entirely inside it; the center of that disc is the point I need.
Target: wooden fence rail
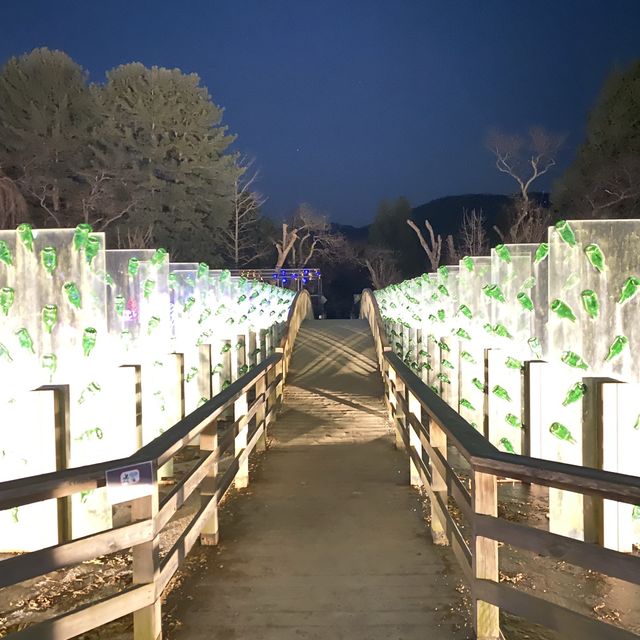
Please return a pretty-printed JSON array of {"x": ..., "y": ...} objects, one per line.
[
  {"x": 254, "y": 399},
  {"x": 427, "y": 426}
]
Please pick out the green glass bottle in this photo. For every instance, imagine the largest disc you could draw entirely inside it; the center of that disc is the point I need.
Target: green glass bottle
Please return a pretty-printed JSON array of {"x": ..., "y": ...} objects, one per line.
[
  {"x": 119, "y": 304},
  {"x": 132, "y": 267},
  {"x": 575, "y": 393},
  {"x": 443, "y": 272},
  {"x": 444, "y": 346},
  {"x": 466, "y": 404},
  {"x": 502, "y": 251},
  {"x": 218, "y": 368},
  {"x": 629, "y": 289},
  {"x": 541, "y": 252},
  {"x": 426, "y": 366},
  {"x": 432, "y": 318},
  {"x": 563, "y": 310},
  {"x": 488, "y": 328},
  {"x": 573, "y": 360},
  {"x": 595, "y": 257},
  {"x": 465, "y": 355},
  {"x": 172, "y": 281},
  {"x": 204, "y": 316},
  {"x": 493, "y": 291},
  {"x": 572, "y": 280},
  {"x": 49, "y": 316},
  {"x": 561, "y": 432},
  {"x": 461, "y": 333},
  {"x": 25, "y": 233},
  {"x": 434, "y": 296},
  {"x": 4, "y": 353},
  {"x": 501, "y": 331},
  {"x": 80, "y": 236},
  {"x": 225, "y": 347},
  {"x": 90, "y": 390},
  {"x": 566, "y": 232},
  {"x": 191, "y": 374},
  {"x": 535, "y": 346},
  {"x": 513, "y": 363},
  {"x": 434, "y": 389},
  {"x": 441, "y": 315},
  {"x": 513, "y": 421},
  {"x": 49, "y": 260},
  {"x": 243, "y": 369},
  {"x": 501, "y": 392},
  {"x": 203, "y": 270},
  {"x": 148, "y": 288},
  {"x": 89, "y": 337},
  {"x": 525, "y": 301},
  {"x": 618, "y": 344},
  {"x": 25, "y": 340},
  {"x": 73, "y": 294},
  {"x": 50, "y": 363},
  {"x": 91, "y": 248},
  {"x": 529, "y": 283},
  {"x": 478, "y": 384},
  {"x": 443, "y": 377},
  {"x": 505, "y": 444},
  {"x": 467, "y": 261},
  {"x": 225, "y": 384},
  {"x": 590, "y": 303},
  {"x": 635, "y": 513},
  {"x": 159, "y": 257},
  {"x": 242, "y": 298},
  {"x": 5, "y": 254},
  {"x": 443, "y": 290},
  {"x": 154, "y": 323},
  {"x": 465, "y": 311},
  {"x": 446, "y": 364},
  {"x": 225, "y": 275},
  {"x": 188, "y": 303},
  {"x": 7, "y": 298}
]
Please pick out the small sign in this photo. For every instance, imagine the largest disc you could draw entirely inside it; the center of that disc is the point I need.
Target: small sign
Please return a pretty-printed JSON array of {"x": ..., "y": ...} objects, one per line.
[{"x": 130, "y": 482}]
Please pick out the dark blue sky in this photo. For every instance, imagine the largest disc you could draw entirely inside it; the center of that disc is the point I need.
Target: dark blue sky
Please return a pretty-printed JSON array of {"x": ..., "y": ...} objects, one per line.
[{"x": 345, "y": 103}]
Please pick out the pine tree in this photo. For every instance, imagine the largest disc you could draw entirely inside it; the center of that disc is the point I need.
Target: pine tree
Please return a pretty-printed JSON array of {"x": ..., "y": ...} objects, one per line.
[
  {"x": 604, "y": 180},
  {"x": 176, "y": 147}
]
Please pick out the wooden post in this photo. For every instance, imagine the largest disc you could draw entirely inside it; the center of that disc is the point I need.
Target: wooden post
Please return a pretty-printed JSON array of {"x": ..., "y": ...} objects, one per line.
[
  {"x": 438, "y": 441},
  {"x": 209, "y": 442},
  {"x": 250, "y": 342},
  {"x": 395, "y": 384},
  {"x": 239, "y": 362},
  {"x": 415, "y": 408},
  {"x": 261, "y": 386},
  {"x": 147, "y": 622},
  {"x": 485, "y": 556},
  {"x": 240, "y": 408},
  {"x": 204, "y": 369},
  {"x": 280, "y": 386}
]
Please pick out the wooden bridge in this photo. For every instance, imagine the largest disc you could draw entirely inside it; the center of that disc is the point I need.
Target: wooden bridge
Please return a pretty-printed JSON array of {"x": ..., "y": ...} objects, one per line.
[{"x": 325, "y": 537}]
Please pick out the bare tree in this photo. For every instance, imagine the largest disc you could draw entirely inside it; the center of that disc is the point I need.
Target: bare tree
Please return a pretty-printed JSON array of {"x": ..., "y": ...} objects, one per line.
[
  {"x": 524, "y": 160},
  {"x": 13, "y": 207},
  {"x": 241, "y": 238},
  {"x": 433, "y": 248},
  {"x": 307, "y": 236},
  {"x": 136, "y": 238},
  {"x": 382, "y": 267},
  {"x": 472, "y": 236}
]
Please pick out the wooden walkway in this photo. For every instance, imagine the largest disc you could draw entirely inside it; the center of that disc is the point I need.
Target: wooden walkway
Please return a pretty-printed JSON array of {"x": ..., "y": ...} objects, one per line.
[{"x": 329, "y": 541}]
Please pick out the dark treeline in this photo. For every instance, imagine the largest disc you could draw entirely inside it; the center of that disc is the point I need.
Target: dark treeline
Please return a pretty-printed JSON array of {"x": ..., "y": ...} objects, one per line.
[{"x": 145, "y": 157}]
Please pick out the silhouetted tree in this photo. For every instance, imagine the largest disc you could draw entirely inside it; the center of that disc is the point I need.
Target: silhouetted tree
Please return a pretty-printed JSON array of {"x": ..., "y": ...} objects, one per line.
[{"x": 604, "y": 180}]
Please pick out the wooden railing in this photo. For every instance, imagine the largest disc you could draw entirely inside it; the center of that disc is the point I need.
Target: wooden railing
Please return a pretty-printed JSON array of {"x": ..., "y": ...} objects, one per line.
[
  {"x": 427, "y": 427},
  {"x": 253, "y": 399}
]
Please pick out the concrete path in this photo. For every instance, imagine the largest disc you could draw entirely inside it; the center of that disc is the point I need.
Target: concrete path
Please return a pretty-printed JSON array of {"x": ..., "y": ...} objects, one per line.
[{"x": 329, "y": 541}]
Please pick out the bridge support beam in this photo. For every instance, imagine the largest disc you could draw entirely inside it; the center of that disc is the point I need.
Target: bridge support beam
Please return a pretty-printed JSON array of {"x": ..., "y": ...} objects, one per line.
[
  {"x": 485, "y": 556},
  {"x": 210, "y": 534},
  {"x": 240, "y": 409},
  {"x": 147, "y": 622}
]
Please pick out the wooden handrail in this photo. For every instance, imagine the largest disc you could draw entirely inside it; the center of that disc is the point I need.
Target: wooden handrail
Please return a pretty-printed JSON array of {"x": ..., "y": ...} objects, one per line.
[{"x": 426, "y": 425}]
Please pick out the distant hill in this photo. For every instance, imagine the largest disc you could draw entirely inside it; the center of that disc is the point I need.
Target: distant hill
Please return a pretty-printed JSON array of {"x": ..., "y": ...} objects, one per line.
[{"x": 445, "y": 214}]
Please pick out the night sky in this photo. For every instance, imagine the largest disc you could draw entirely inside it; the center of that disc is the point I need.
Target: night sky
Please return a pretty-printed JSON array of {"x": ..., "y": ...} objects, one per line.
[{"x": 346, "y": 103}]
